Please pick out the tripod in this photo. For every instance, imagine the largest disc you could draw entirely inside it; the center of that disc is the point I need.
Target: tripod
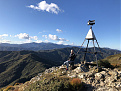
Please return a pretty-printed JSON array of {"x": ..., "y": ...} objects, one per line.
[{"x": 90, "y": 36}]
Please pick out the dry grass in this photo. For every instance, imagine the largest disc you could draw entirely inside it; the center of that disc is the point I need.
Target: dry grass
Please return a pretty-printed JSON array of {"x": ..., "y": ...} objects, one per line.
[{"x": 9, "y": 88}]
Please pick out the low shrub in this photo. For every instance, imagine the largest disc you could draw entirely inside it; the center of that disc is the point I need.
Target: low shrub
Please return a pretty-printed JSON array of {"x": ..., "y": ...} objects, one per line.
[
  {"x": 50, "y": 82},
  {"x": 76, "y": 84},
  {"x": 105, "y": 64}
]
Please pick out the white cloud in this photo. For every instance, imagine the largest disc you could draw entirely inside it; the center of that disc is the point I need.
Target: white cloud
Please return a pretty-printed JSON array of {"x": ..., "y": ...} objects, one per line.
[
  {"x": 38, "y": 41},
  {"x": 60, "y": 42},
  {"x": 53, "y": 37},
  {"x": 28, "y": 41},
  {"x": 23, "y": 36},
  {"x": 42, "y": 31},
  {"x": 5, "y": 41},
  {"x": 31, "y": 6},
  {"x": 58, "y": 30},
  {"x": 26, "y": 36},
  {"x": 72, "y": 43},
  {"x": 3, "y": 35},
  {"x": 44, "y": 36},
  {"x": 62, "y": 39},
  {"x": 46, "y": 41},
  {"x": 34, "y": 37},
  {"x": 43, "y": 6}
]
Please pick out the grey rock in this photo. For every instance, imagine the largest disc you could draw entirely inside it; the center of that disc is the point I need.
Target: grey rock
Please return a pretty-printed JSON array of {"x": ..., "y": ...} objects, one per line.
[
  {"x": 119, "y": 73},
  {"x": 102, "y": 89},
  {"x": 90, "y": 66},
  {"x": 106, "y": 80},
  {"x": 73, "y": 76},
  {"x": 98, "y": 76},
  {"x": 82, "y": 76},
  {"x": 113, "y": 89},
  {"x": 102, "y": 83}
]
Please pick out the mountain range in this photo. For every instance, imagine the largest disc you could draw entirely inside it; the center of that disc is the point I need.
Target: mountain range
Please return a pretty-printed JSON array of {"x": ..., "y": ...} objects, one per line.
[
  {"x": 31, "y": 46},
  {"x": 20, "y": 66}
]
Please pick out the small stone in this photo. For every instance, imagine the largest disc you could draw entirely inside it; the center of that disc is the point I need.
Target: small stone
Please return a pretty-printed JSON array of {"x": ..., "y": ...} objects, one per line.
[
  {"x": 90, "y": 66},
  {"x": 64, "y": 72},
  {"x": 40, "y": 74},
  {"x": 81, "y": 76},
  {"x": 89, "y": 81},
  {"x": 119, "y": 73},
  {"x": 73, "y": 76},
  {"x": 113, "y": 89},
  {"x": 90, "y": 74},
  {"x": 78, "y": 70},
  {"x": 102, "y": 83},
  {"x": 113, "y": 73},
  {"x": 109, "y": 80},
  {"x": 102, "y": 89},
  {"x": 118, "y": 85},
  {"x": 98, "y": 76}
]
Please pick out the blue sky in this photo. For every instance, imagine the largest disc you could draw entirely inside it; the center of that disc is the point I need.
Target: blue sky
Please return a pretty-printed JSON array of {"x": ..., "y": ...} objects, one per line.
[{"x": 60, "y": 21}]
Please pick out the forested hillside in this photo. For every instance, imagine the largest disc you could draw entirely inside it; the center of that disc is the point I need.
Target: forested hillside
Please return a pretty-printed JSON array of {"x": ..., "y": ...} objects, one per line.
[{"x": 20, "y": 66}]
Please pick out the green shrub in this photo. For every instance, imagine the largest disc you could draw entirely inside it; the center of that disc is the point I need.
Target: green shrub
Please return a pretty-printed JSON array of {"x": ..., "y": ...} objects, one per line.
[{"x": 104, "y": 63}]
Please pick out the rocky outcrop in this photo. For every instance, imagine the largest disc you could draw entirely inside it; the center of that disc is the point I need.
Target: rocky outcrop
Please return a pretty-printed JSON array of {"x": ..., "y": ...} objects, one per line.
[{"x": 104, "y": 80}]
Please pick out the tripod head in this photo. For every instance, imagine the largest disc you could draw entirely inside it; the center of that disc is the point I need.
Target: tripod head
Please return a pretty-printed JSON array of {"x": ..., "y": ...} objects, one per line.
[{"x": 91, "y": 23}]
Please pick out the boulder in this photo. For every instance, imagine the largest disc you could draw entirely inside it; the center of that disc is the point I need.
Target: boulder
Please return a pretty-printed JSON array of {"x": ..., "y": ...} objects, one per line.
[
  {"x": 78, "y": 70},
  {"x": 98, "y": 76},
  {"x": 104, "y": 73}
]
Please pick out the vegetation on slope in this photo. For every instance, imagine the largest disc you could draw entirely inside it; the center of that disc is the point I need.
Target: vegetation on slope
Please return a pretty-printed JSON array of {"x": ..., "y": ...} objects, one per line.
[
  {"x": 114, "y": 60},
  {"x": 20, "y": 66},
  {"x": 55, "y": 81},
  {"x": 59, "y": 81}
]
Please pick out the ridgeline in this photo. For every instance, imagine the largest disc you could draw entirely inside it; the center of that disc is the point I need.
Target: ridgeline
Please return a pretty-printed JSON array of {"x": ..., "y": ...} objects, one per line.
[{"x": 21, "y": 66}]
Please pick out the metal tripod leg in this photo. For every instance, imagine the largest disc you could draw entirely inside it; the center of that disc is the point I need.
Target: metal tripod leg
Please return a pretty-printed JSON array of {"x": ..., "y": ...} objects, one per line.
[
  {"x": 95, "y": 54},
  {"x": 86, "y": 51},
  {"x": 99, "y": 47},
  {"x": 81, "y": 46}
]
